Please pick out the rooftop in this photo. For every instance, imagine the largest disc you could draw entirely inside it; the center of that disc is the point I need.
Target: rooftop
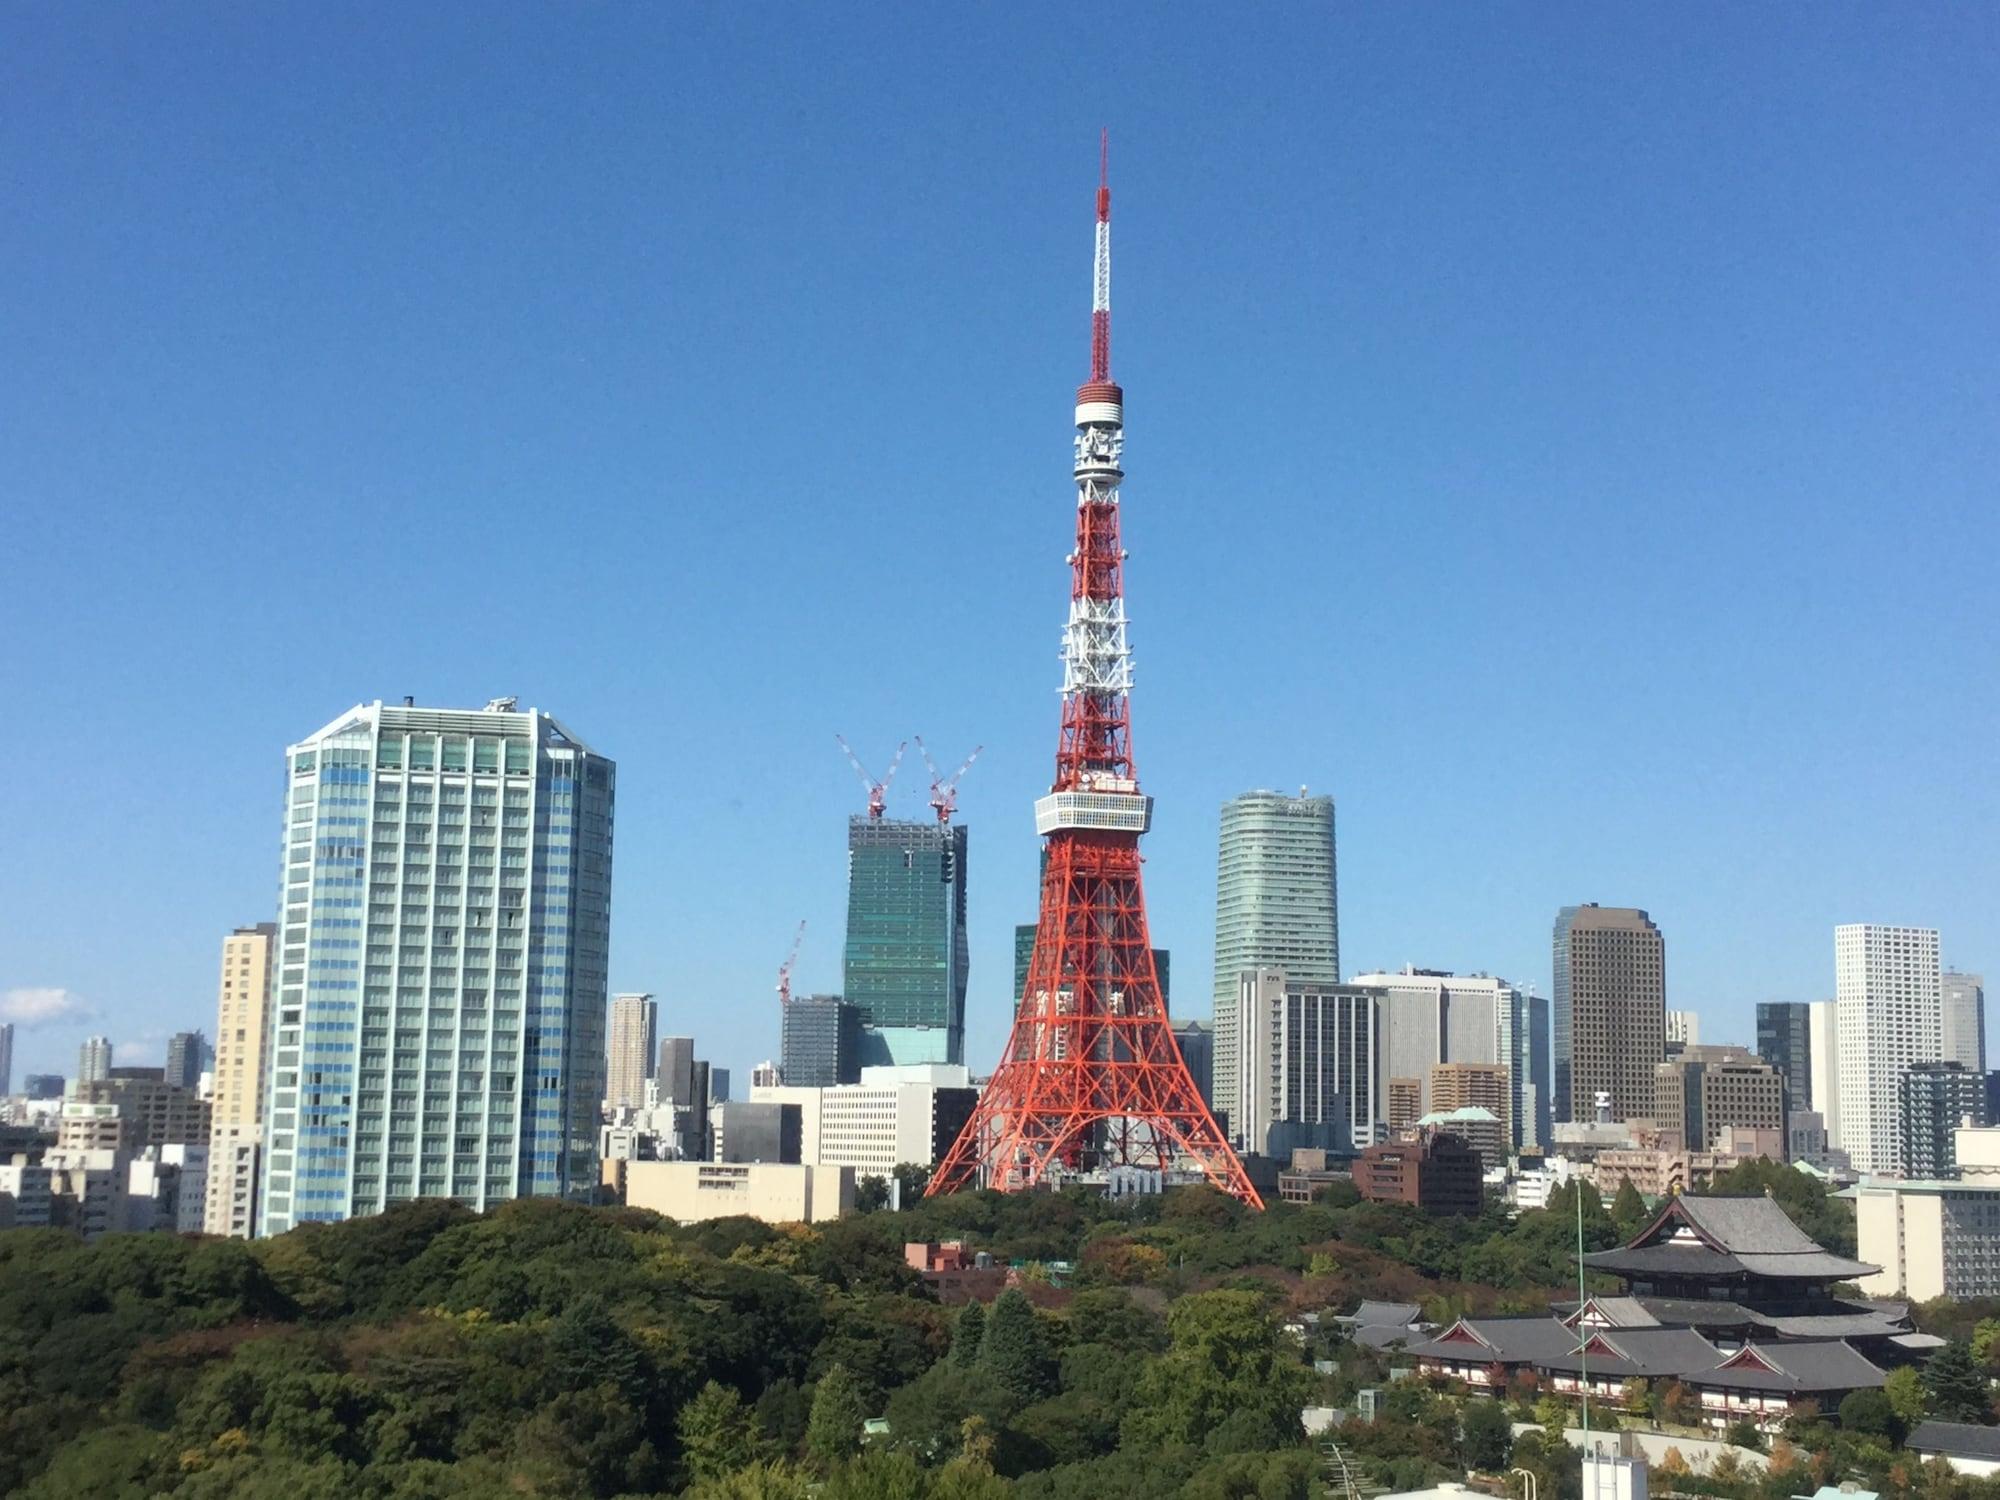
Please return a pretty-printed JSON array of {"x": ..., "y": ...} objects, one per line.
[
  {"x": 1698, "y": 1237},
  {"x": 1958, "y": 1439}
]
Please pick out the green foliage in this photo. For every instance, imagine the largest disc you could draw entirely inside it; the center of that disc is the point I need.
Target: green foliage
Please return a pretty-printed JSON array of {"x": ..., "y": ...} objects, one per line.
[
  {"x": 1955, "y": 1388},
  {"x": 717, "y": 1432},
  {"x": 838, "y": 1410},
  {"x": 1628, "y": 1210},
  {"x": 1870, "y": 1414},
  {"x": 1905, "y": 1390},
  {"x": 967, "y": 1334},
  {"x": 1486, "y": 1435},
  {"x": 1828, "y": 1220},
  {"x": 1224, "y": 1363},
  {"x": 1015, "y": 1350}
]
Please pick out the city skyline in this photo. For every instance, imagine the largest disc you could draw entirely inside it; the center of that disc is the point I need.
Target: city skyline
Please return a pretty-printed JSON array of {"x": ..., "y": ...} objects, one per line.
[{"x": 1566, "y": 354}]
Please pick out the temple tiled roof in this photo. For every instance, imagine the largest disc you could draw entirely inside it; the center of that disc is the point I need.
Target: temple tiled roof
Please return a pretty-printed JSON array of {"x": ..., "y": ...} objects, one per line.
[
  {"x": 1696, "y": 1237},
  {"x": 1793, "y": 1368}
]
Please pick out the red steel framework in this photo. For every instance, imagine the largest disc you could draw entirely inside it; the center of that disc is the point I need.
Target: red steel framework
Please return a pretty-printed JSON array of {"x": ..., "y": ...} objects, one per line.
[{"x": 1092, "y": 1075}]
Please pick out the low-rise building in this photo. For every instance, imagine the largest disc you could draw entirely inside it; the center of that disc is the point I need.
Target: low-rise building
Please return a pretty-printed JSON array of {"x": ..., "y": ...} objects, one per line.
[
  {"x": 1437, "y": 1173},
  {"x": 895, "y": 1116},
  {"x": 1965, "y": 1447},
  {"x": 1929, "y": 1238},
  {"x": 775, "y": 1192}
]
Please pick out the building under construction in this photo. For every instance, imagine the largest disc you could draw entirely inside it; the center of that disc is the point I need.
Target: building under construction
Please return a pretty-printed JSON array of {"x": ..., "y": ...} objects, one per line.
[{"x": 904, "y": 968}]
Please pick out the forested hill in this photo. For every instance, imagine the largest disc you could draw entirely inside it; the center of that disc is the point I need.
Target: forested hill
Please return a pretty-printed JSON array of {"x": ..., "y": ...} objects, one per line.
[{"x": 550, "y": 1350}]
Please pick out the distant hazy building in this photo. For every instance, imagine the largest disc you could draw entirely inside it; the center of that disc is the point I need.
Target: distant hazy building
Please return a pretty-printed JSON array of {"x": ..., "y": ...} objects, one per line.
[
  {"x": 1805, "y": 1136},
  {"x": 1277, "y": 906},
  {"x": 1024, "y": 952},
  {"x": 905, "y": 964},
  {"x": 1784, "y": 1040},
  {"x": 187, "y": 1059},
  {"x": 6, "y": 1058},
  {"x": 1706, "y": 1091},
  {"x": 236, "y": 1123},
  {"x": 1610, "y": 1009},
  {"x": 1403, "y": 1104},
  {"x": 43, "y": 1086},
  {"x": 93, "y": 1062},
  {"x": 1963, "y": 1036},
  {"x": 152, "y": 1112},
  {"x": 765, "y": 1075},
  {"x": 443, "y": 946},
  {"x": 1537, "y": 1098},
  {"x": 1684, "y": 1027},
  {"x": 819, "y": 1042},
  {"x": 674, "y": 1078},
  {"x": 1307, "y": 1074},
  {"x": 718, "y": 1086},
  {"x": 629, "y": 1050},
  {"x": 749, "y": 1130},
  {"x": 1197, "y": 1044},
  {"x": 1932, "y": 1101},
  {"x": 1886, "y": 987}
]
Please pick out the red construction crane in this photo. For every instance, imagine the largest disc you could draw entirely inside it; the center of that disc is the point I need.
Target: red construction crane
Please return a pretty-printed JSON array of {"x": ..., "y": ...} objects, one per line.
[
  {"x": 944, "y": 789},
  {"x": 878, "y": 791},
  {"x": 785, "y": 968}
]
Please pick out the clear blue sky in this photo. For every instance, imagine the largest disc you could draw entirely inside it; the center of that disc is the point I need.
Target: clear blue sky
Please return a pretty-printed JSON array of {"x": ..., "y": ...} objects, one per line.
[{"x": 1566, "y": 435}]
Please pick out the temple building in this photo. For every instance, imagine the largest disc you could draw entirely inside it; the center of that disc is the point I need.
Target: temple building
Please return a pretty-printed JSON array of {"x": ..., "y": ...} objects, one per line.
[{"x": 1725, "y": 1295}]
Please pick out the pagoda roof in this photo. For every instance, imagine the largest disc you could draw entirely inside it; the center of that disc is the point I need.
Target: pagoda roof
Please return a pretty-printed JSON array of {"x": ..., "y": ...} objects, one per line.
[
  {"x": 1699, "y": 1237},
  {"x": 1829, "y": 1365}
]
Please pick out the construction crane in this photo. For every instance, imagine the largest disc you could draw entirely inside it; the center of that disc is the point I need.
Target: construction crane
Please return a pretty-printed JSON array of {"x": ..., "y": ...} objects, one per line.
[
  {"x": 944, "y": 789},
  {"x": 785, "y": 968},
  {"x": 878, "y": 791}
]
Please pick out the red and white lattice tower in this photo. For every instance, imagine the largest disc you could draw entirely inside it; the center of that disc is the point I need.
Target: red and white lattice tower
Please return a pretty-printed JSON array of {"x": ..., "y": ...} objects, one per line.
[{"x": 1092, "y": 1075}]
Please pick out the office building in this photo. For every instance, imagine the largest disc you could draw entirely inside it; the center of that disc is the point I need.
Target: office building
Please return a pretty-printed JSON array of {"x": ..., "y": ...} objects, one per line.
[
  {"x": 1432, "y": 1016},
  {"x": 1805, "y": 1136},
  {"x": 895, "y": 1116},
  {"x": 1888, "y": 1003},
  {"x": 1438, "y": 1173},
  {"x": 1538, "y": 1093},
  {"x": 751, "y": 1130},
  {"x": 1932, "y": 1101},
  {"x": 1610, "y": 1009},
  {"x": 1308, "y": 1069},
  {"x": 1403, "y": 1104},
  {"x": 1197, "y": 1044},
  {"x": 905, "y": 964},
  {"x": 674, "y": 1079},
  {"x": 6, "y": 1058},
  {"x": 765, "y": 1075},
  {"x": 187, "y": 1059},
  {"x": 442, "y": 962},
  {"x": 1963, "y": 1034},
  {"x": 1706, "y": 1091},
  {"x": 1823, "y": 1037},
  {"x": 819, "y": 1042},
  {"x": 1683, "y": 1027},
  {"x": 93, "y": 1062},
  {"x": 150, "y": 1111},
  {"x": 1024, "y": 952},
  {"x": 1277, "y": 905},
  {"x": 43, "y": 1086},
  {"x": 628, "y": 1059},
  {"x": 237, "y": 1094},
  {"x": 691, "y": 1192},
  {"x": 1930, "y": 1238},
  {"x": 1784, "y": 1040},
  {"x": 718, "y": 1086},
  {"x": 1482, "y": 1088}
]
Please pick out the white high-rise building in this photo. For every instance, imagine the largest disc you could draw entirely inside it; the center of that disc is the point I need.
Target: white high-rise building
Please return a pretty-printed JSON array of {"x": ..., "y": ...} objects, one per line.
[
  {"x": 443, "y": 938},
  {"x": 1964, "y": 1035},
  {"x": 1309, "y": 1056},
  {"x": 1889, "y": 1009},
  {"x": 635, "y": 1027},
  {"x": 1823, "y": 1031},
  {"x": 1684, "y": 1026},
  {"x": 93, "y": 1060}
]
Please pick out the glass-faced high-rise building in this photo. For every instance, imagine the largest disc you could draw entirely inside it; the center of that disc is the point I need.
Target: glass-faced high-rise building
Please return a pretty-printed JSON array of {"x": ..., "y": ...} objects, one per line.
[
  {"x": 443, "y": 939},
  {"x": 905, "y": 966},
  {"x": 1276, "y": 906},
  {"x": 1784, "y": 1040}
]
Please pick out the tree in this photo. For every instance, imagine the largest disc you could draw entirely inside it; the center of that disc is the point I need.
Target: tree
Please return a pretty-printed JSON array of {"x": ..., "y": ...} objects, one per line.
[
  {"x": 1905, "y": 1390},
  {"x": 1015, "y": 1349},
  {"x": 1628, "y": 1210},
  {"x": 587, "y": 1347},
  {"x": 834, "y": 1431},
  {"x": 1225, "y": 1359},
  {"x": 1870, "y": 1414},
  {"x": 1486, "y": 1436},
  {"x": 967, "y": 1334},
  {"x": 1955, "y": 1386},
  {"x": 717, "y": 1433}
]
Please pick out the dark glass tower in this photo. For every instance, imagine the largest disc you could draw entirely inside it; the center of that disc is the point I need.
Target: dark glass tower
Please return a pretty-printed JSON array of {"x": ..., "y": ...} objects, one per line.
[
  {"x": 905, "y": 965},
  {"x": 1784, "y": 1040}
]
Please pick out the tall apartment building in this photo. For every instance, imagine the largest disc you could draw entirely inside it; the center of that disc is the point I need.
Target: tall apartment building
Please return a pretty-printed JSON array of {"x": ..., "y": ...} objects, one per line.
[
  {"x": 150, "y": 1110},
  {"x": 819, "y": 1042},
  {"x": 1432, "y": 1016},
  {"x": 1963, "y": 1037},
  {"x": 236, "y": 1128},
  {"x": 1932, "y": 1101},
  {"x": 1308, "y": 1070},
  {"x": 443, "y": 947},
  {"x": 1684, "y": 1027},
  {"x": 93, "y": 1061},
  {"x": 1610, "y": 1009},
  {"x": 628, "y": 1055},
  {"x": 6, "y": 1058},
  {"x": 1707, "y": 1090},
  {"x": 1488, "y": 1087},
  {"x": 905, "y": 964},
  {"x": 1784, "y": 1040},
  {"x": 1403, "y": 1104},
  {"x": 1888, "y": 1004},
  {"x": 1538, "y": 1098},
  {"x": 1823, "y": 1039},
  {"x": 187, "y": 1059},
  {"x": 1277, "y": 905}
]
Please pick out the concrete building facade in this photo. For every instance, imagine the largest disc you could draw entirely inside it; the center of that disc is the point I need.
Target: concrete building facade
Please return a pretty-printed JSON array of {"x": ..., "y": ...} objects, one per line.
[
  {"x": 1308, "y": 1062},
  {"x": 1432, "y": 1016},
  {"x": 819, "y": 1042},
  {"x": 236, "y": 1097},
  {"x": 1932, "y": 1101},
  {"x": 1708, "y": 1090},
  {"x": 775, "y": 1192},
  {"x": 1610, "y": 1009},
  {"x": 633, "y": 1039},
  {"x": 1963, "y": 1023},
  {"x": 1888, "y": 1009},
  {"x": 1784, "y": 1040}
]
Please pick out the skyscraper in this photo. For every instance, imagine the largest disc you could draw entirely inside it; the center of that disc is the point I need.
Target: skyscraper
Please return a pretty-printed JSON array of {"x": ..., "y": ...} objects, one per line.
[
  {"x": 6, "y": 1058},
  {"x": 1541, "y": 1076},
  {"x": 1932, "y": 1100},
  {"x": 443, "y": 945},
  {"x": 628, "y": 1056},
  {"x": 93, "y": 1062},
  {"x": 1432, "y": 1016},
  {"x": 819, "y": 1042},
  {"x": 1784, "y": 1040},
  {"x": 1276, "y": 906},
  {"x": 1887, "y": 994},
  {"x": 1964, "y": 1035},
  {"x": 1823, "y": 1041},
  {"x": 674, "y": 1078},
  {"x": 905, "y": 965},
  {"x": 236, "y": 1124},
  {"x": 187, "y": 1057},
  {"x": 1308, "y": 1073},
  {"x": 1610, "y": 1009}
]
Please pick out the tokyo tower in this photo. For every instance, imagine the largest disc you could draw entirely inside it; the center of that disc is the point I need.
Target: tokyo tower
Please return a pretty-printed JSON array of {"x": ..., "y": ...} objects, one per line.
[{"x": 1092, "y": 1075}]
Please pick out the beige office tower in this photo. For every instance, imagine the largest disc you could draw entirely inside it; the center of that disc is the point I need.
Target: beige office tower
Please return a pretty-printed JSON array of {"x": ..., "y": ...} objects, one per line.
[
  {"x": 628, "y": 1052},
  {"x": 236, "y": 1127},
  {"x": 1610, "y": 1009},
  {"x": 1486, "y": 1086}
]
